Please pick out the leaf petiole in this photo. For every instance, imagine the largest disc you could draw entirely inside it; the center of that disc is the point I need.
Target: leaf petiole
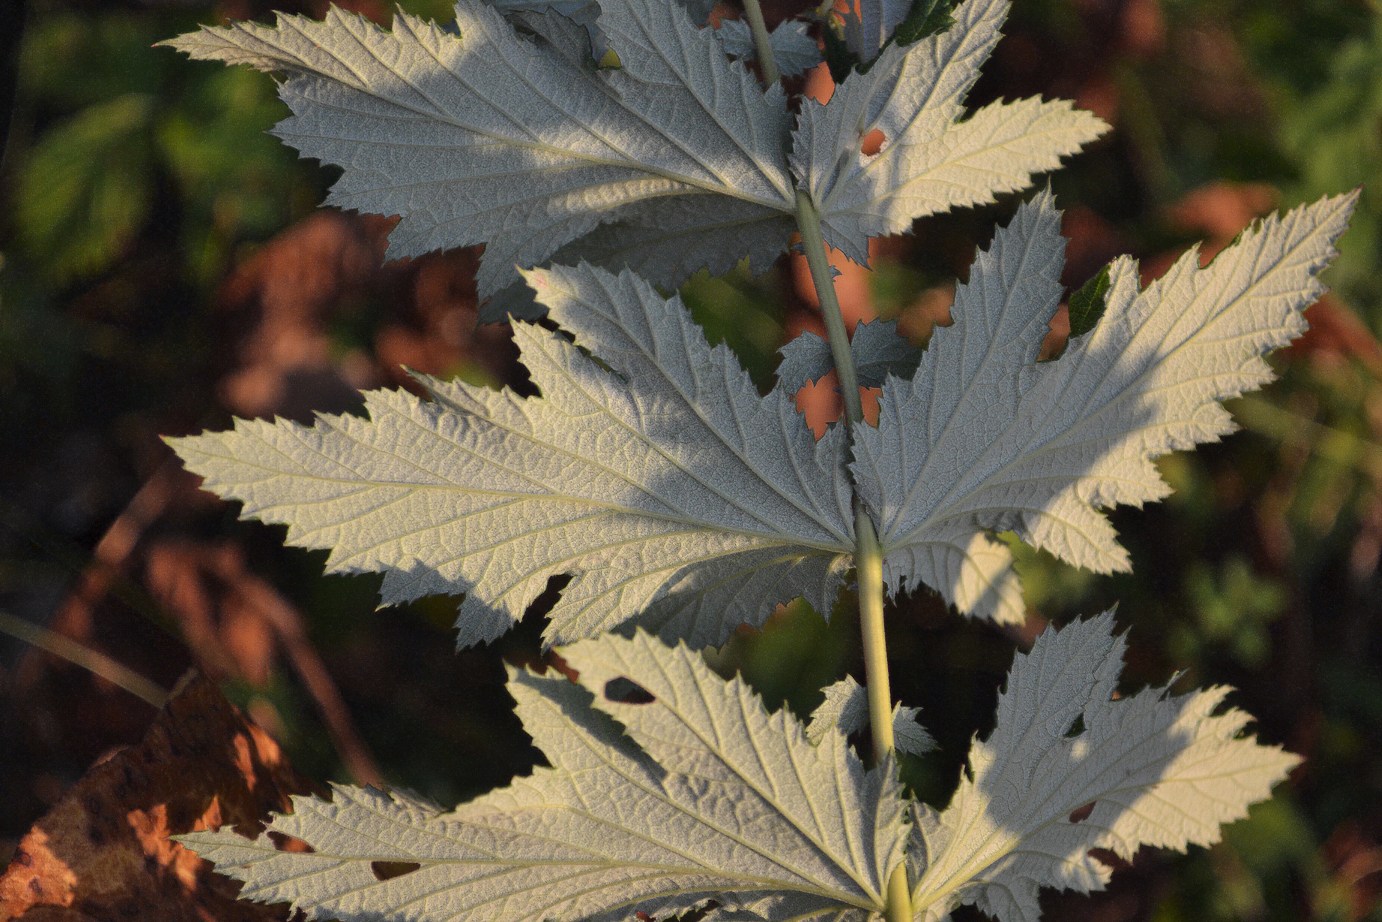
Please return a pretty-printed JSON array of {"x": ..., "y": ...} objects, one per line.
[
  {"x": 868, "y": 552},
  {"x": 762, "y": 43}
]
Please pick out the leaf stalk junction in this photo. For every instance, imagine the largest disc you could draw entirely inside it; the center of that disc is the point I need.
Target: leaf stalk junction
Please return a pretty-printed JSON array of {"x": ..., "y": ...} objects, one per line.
[{"x": 868, "y": 552}]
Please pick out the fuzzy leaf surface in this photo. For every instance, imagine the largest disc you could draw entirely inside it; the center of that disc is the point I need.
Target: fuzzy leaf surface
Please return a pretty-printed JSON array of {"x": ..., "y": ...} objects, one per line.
[
  {"x": 845, "y": 710},
  {"x": 930, "y": 161},
  {"x": 876, "y": 347},
  {"x": 794, "y": 50},
  {"x": 1160, "y": 771},
  {"x": 524, "y": 145},
  {"x": 663, "y": 483},
  {"x": 709, "y": 796},
  {"x": 985, "y": 438}
]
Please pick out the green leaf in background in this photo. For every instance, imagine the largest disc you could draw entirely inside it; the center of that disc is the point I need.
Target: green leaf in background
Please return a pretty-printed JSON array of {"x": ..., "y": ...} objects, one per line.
[
  {"x": 1233, "y": 607},
  {"x": 85, "y": 190},
  {"x": 1332, "y": 134},
  {"x": 926, "y": 17},
  {"x": 73, "y": 60},
  {"x": 1087, "y": 304},
  {"x": 236, "y": 180}
]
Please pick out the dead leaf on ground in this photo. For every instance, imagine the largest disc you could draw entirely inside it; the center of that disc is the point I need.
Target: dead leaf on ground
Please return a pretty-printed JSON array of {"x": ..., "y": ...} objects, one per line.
[{"x": 103, "y": 851}]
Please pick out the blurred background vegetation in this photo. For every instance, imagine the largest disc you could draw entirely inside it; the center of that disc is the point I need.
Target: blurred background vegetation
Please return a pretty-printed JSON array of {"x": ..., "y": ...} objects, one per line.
[{"x": 163, "y": 266}]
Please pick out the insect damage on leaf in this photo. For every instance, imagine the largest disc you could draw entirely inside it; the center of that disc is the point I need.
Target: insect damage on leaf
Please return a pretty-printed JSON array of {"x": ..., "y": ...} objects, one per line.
[
  {"x": 937, "y": 156},
  {"x": 708, "y": 797}
]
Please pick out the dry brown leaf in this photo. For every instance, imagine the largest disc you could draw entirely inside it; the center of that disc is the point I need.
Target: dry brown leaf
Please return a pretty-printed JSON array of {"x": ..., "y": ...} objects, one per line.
[
  {"x": 103, "y": 851},
  {"x": 1220, "y": 210},
  {"x": 277, "y": 306}
]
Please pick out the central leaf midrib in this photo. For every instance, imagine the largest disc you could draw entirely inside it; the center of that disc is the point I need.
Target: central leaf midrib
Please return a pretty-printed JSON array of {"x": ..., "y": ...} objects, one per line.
[
  {"x": 771, "y": 537},
  {"x": 664, "y": 797}
]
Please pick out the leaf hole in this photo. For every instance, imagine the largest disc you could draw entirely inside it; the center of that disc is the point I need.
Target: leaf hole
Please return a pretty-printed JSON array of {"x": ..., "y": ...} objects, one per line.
[
  {"x": 1076, "y": 727},
  {"x": 626, "y": 691},
  {"x": 286, "y": 843},
  {"x": 388, "y": 870},
  {"x": 872, "y": 142},
  {"x": 1080, "y": 814}
]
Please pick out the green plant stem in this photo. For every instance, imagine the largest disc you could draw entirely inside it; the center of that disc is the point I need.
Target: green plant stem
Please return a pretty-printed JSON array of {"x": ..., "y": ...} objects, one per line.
[
  {"x": 813, "y": 245},
  {"x": 762, "y": 44},
  {"x": 868, "y": 552}
]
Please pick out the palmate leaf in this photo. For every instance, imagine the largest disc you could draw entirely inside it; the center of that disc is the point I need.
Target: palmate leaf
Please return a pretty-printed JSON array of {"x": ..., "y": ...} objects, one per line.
[
  {"x": 985, "y": 438},
  {"x": 490, "y": 137},
  {"x": 712, "y": 798},
  {"x": 1158, "y": 770},
  {"x": 663, "y": 482},
  {"x": 930, "y": 161},
  {"x": 672, "y": 162},
  {"x": 676, "y": 497}
]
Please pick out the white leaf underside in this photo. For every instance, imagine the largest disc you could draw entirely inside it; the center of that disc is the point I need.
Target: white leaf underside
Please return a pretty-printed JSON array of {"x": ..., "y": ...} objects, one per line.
[
  {"x": 678, "y": 499},
  {"x": 488, "y": 137},
  {"x": 711, "y": 798},
  {"x": 668, "y": 487},
  {"x": 718, "y": 800},
  {"x": 876, "y": 347},
  {"x": 1160, "y": 771},
  {"x": 671, "y": 163},
  {"x": 985, "y": 438},
  {"x": 794, "y": 50},
  {"x": 845, "y": 710},
  {"x": 930, "y": 161}
]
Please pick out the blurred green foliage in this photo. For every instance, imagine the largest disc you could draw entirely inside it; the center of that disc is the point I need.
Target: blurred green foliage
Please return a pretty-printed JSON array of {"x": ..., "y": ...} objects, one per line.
[{"x": 121, "y": 127}]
